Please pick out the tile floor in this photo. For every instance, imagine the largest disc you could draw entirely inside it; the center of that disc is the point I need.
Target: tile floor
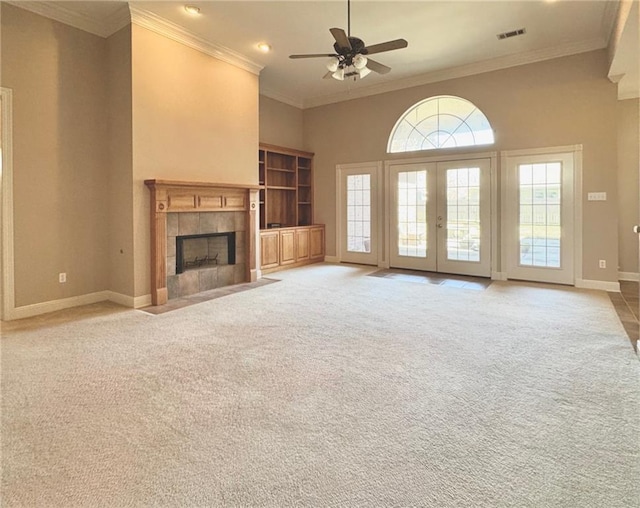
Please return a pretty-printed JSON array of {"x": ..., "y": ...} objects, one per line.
[
  {"x": 626, "y": 304},
  {"x": 439, "y": 279},
  {"x": 205, "y": 296}
]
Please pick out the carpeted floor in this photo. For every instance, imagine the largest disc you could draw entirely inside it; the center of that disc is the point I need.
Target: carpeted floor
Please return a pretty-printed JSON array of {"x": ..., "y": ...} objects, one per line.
[{"x": 327, "y": 389}]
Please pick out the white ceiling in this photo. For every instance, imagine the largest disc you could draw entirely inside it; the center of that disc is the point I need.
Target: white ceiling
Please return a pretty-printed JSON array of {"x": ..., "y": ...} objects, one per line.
[{"x": 446, "y": 38}]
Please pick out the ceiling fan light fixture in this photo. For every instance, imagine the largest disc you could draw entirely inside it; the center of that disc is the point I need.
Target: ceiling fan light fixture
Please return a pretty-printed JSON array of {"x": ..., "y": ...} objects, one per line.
[
  {"x": 333, "y": 63},
  {"x": 359, "y": 61},
  {"x": 339, "y": 74},
  {"x": 365, "y": 71}
]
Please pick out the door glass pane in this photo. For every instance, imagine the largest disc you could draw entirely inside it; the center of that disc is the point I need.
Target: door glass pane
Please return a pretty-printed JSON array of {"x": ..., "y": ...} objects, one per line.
[
  {"x": 359, "y": 213},
  {"x": 412, "y": 214},
  {"x": 463, "y": 214},
  {"x": 540, "y": 221}
]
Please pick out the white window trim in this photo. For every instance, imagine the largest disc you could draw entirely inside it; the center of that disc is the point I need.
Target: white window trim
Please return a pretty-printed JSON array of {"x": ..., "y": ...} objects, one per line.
[
  {"x": 576, "y": 150},
  {"x": 379, "y": 205},
  {"x": 493, "y": 156},
  {"x": 423, "y": 101}
]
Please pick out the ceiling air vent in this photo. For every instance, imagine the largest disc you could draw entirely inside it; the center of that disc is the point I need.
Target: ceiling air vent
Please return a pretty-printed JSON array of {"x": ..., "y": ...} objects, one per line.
[{"x": 512, "y": 33}]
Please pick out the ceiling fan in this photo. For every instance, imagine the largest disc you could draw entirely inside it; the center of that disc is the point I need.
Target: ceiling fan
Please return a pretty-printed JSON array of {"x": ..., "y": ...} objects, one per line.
[{"x": 351, "y": 54}]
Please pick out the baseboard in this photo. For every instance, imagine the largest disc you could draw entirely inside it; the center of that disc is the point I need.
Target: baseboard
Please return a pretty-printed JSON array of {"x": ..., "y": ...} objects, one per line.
[
  {"x": 631, "y": 276},
  {"x": 498, "y": 275},
  {"x": 602, "y": 285},
  {"x": 54, "y": 305},
  {"x": 120, "y": 299},
  {"x": 129, "y": 301},
  {"x": 331, "y": 259},
  {"x": 142, "y": 301}
]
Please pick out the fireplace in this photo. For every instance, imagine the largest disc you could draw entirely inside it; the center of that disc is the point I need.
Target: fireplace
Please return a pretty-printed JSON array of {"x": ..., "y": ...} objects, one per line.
[
  {"x": 197, "y": 251},
  {"x": 205, "y": 250},
  {"x": 212, "y": 227}
]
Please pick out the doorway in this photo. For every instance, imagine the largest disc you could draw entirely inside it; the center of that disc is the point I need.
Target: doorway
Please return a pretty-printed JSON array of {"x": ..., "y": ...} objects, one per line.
[
  {"x": 7, "y": 298},
  {"x": 440, "y": 216},
  {"x": 358, "y": 188},
  {"x": 539, "y": 218}
]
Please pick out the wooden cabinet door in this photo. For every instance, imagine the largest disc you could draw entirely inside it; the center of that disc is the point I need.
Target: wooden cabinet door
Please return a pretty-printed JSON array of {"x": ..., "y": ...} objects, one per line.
[
  {"x": 287, "y": 247},
  {"x": 302, "y": 244},
  {"x": 269, "y": 249},
  {"x": 316, "y": 242}
]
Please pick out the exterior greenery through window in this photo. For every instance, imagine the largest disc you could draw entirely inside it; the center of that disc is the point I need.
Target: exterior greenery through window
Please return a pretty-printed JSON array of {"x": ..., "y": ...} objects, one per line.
[{"x": 444, "y": 121}]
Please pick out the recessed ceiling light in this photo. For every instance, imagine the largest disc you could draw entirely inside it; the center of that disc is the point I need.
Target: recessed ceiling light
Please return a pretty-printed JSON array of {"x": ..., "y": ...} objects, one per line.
[
  {"x": 264, "y": 47},
  {"x": 192, "y": 9}
]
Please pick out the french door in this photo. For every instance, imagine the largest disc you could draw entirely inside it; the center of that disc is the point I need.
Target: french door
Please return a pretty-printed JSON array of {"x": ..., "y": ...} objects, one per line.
[
  {"x": 358, "y": 198},
  {"x": 441, "y": 216},
  {"x": 539, "y": 218}
]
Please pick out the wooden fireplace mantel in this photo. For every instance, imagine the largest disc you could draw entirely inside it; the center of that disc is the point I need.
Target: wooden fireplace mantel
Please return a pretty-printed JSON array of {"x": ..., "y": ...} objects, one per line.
[{"x": 169, "y": 196}]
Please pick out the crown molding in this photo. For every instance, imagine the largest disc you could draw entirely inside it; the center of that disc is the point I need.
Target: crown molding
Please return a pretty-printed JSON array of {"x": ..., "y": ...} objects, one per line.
[
  {"x": 493, "y": 64},
  {"x": 282, "y": 98},
  {"x": 609, "y": 19},
  {"x": 623, "y": 95},
  {"x": 58, "y": 12},
  {"x": 628, "y": 95},
  {"x": 161, "y": 26}
]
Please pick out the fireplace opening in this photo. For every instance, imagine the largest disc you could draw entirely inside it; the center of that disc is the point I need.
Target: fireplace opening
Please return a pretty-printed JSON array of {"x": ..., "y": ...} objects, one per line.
[{"x": 200, "y": 251}]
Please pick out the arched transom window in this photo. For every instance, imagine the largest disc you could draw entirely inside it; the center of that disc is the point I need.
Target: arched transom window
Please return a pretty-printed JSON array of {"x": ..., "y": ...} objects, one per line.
[{"x": 444, "y": 121}]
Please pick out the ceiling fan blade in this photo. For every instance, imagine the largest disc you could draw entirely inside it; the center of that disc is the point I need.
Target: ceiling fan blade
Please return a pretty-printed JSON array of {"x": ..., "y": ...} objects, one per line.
[
  {"x": 340, "y": 37},
  {"x": 377, "y": 66},
  {"x": 316, "y": 55},
  {"x": 385, "y": 46}
]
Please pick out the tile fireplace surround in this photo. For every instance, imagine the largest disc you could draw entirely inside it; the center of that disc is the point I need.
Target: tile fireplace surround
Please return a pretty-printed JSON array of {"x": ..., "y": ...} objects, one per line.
[{"x": 188, "y": 208}]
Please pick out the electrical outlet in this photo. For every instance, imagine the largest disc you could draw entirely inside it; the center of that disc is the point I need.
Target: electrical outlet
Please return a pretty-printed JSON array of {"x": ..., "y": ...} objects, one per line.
[
  {"x": 603, "y": 263},
  {"x": 62, "y": 277}
]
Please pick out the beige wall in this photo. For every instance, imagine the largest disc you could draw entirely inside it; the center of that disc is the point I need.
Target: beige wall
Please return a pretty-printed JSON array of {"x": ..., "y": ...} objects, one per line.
[
  {"x": 628, "y": 185},
  {"x": 121, "y": 275},
  {"x": 95, "y": 117},
  {"x": 60, "y": 152},
  {"x": 280, "y": 124},
  {"x": 564, "y": 101},
  {"x": 195, "y": 118}
]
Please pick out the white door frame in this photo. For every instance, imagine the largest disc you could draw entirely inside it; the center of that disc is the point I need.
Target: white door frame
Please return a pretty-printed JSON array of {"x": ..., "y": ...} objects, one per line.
[
  {"x": 7, "y": 292},
  {"x": 430, "y": 262},
  {"x": 576, "y": 152},
  {"x": 482, "y": 267},
  {"x": 376, "y": 169},
  {"x": 493, "y": 156}
]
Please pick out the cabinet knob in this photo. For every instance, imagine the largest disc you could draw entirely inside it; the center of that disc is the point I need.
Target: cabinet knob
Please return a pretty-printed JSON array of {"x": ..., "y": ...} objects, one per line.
[{"x": 636, "y": 229}]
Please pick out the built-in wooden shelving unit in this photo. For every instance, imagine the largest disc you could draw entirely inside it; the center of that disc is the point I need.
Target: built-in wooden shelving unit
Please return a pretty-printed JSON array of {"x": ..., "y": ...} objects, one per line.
[
  {"x": 286, "y": 187},
  {"x": 288, "y": 235}
]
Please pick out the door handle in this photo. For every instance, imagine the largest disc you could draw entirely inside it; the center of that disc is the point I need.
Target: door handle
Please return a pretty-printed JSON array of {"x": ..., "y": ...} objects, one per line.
[{"x": 636, "y": 229}]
